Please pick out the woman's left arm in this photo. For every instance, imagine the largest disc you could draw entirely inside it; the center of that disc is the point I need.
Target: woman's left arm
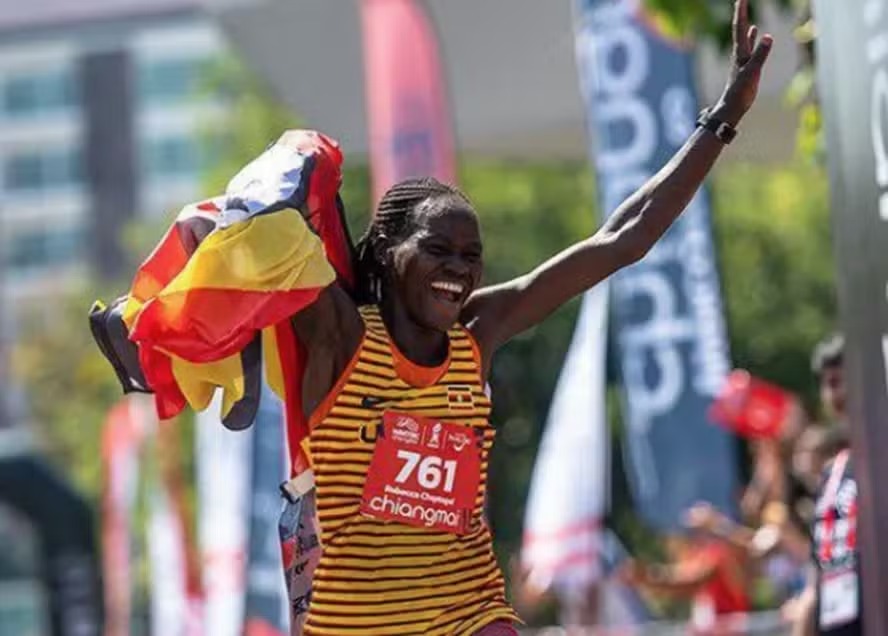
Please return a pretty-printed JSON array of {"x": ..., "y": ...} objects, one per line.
[{"x": 496, "y": 314}]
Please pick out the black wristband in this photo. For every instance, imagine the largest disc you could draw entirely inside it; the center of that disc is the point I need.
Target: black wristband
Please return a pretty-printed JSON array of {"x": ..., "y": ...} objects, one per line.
[{"x": 723, "y": 131}]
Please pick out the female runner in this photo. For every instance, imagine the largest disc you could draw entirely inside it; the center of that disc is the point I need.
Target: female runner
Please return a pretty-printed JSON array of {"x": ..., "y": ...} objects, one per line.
[{"x": 421, "y": 345}]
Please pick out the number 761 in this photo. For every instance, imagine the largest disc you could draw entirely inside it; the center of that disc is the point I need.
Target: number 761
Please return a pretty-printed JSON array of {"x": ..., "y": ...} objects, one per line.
[{"x": 430, "y": 470}]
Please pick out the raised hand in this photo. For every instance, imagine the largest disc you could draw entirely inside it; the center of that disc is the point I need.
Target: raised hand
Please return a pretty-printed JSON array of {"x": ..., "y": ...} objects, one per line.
[{"x": 748, "y": 56}]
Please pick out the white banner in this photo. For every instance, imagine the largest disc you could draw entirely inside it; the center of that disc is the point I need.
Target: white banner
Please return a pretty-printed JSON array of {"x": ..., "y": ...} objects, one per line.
[
  {"x": 223, "y": 481},
  {"x": 169, "y": 597},
  {"x": 562, "y": 526},
  {"x": 268, "y": 607}
]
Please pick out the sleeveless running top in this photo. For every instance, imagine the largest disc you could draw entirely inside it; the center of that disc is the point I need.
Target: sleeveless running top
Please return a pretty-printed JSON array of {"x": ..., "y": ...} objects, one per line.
[{"x": 380, "y": 577}]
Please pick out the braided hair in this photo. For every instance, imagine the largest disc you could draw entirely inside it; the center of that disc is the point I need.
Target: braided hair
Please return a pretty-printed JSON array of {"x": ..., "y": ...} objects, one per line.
[{"x": 395, "y": 220}]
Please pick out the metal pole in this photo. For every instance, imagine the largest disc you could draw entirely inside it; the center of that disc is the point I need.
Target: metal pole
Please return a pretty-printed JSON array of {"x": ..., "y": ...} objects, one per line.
[{"x": 853, "y": 84}]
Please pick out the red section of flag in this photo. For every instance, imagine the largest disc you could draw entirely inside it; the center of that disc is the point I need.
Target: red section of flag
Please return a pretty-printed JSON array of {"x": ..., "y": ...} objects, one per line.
[
  {"x": 205, "y": 325},
  {"x": 409, "y": 123},
  {"x": 293, "y": 358}
]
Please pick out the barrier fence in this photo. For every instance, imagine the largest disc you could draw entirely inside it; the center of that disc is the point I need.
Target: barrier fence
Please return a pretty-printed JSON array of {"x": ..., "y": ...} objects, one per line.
[{"x": 758, "y": 624}]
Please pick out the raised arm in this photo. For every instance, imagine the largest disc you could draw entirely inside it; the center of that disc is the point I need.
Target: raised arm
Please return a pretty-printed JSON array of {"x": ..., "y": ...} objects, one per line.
[
  {"x": 684, "y": 578},
  {"x": 802, "y": 610},
  {"x": 497, "y": 313}
]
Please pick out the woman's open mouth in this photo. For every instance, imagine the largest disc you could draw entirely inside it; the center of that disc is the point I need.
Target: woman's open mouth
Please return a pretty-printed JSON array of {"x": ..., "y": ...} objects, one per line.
[{"x": 448, "y": 291}]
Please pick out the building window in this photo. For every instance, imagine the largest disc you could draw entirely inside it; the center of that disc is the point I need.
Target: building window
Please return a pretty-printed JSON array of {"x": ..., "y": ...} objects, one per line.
[
  {"x": 170, "y": 81},
  {"x": 35, "y": 171},
  {"x": 24, "y": 172},
  {"x": 172, "y": 157},
  {"x": 37, "y": 94},
  {"x": 45, "y": 248}
]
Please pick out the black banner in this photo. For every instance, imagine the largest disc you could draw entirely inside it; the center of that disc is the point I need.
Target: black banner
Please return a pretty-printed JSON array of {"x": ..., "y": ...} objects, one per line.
[
  {"x": 852, "y": 60},
  {"x": 668, "y": 318},
  {"x": 64, "y": 523},
  {"x": 110, "y": 155}
]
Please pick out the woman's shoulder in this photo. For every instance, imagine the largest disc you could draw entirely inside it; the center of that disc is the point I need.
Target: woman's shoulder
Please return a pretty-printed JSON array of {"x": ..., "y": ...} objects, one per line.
[{"x": 333, "y": 320}]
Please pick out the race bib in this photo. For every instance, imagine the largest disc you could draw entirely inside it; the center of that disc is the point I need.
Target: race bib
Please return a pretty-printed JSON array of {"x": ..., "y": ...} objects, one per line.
[
  {"x": 424, "y": 473},
  {"x": 839, "y": 603}
]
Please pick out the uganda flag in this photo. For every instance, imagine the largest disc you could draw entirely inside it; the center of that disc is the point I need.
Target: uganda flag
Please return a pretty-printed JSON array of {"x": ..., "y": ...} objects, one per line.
[
  {"x": 211, "y": 305},
  {"x": 460, "y": 398}
]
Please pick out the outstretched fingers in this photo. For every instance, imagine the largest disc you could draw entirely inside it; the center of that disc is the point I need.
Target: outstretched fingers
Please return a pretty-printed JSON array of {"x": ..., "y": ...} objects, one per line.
[
  {"x": 751, "y": 37},
  {"x": 740, "y": 25},
  {"x": 760, "y": 53}
]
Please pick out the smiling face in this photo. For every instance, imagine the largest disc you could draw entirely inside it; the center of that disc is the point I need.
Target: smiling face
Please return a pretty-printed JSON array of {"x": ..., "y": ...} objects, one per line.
[
  {"x": 832, "y": 391},
  {"x": 435, "y": 269}
]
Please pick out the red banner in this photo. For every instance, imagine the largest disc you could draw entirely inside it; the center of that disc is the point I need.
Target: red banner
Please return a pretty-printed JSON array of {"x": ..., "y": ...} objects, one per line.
[
  {"x": 407, "y": 110},
  {"x": 122, "y": 438}
]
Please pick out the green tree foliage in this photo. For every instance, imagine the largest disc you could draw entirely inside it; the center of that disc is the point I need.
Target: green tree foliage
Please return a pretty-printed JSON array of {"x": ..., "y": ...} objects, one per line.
[
  {"x": 69, "y": 385},
  {"x": 709, "y": 19},
  {"x": 773, "y": 232},
  {"x": 253, "y": 119}
]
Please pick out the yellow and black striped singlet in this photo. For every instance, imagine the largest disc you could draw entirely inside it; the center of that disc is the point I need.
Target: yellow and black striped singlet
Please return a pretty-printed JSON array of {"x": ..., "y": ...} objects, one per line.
[{"x": 377, "y": 577}]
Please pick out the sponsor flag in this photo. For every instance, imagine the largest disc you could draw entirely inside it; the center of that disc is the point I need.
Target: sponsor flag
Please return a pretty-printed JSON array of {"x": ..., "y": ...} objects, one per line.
[
  {"x": 169, "y": 598},
  {"x": 267, "y": 608},
  {"x": 223, "y": 478},
  {"x": 407, "y": 109},
  {"x": 562, "y": 527},
  {"x": 667, "y": 310},
  {"x": 176, "y": 586}
]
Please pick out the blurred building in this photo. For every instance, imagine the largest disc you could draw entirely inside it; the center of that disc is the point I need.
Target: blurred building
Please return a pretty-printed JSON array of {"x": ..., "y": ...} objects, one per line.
[
  {"x": 98, "y": 121},
  {"x": 510, "y": 66}
]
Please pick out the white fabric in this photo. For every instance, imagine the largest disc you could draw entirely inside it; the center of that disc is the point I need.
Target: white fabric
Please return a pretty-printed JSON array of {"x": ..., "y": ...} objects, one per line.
[
  {"x": 223, "y": 479},
  {"x": 169, "y": 597},
  {"x": 269, "y": 179},
  {"x": 562, "y": 533}
]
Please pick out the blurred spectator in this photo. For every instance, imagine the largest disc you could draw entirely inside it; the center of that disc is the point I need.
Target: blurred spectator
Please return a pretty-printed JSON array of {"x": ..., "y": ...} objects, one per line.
[
  {"x": 705, "y": 569},
  {"x": 827, "y": 366},
  {"x": 830, "y": 604},
  {"x": 786, "y": 471},
  {"x": 776, "y": 543},
  {"x": 813, "y": 450},
  {"x": 768, "y": 482},
  {"x": 779, "y": 503}
]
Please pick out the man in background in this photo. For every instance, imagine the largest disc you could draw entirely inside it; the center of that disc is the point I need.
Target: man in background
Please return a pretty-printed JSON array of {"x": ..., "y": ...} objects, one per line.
[
  {"x": 831, "y": 602},
  {"x": 707, "y": 570},
  {"x": 827, "y": 364}
]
